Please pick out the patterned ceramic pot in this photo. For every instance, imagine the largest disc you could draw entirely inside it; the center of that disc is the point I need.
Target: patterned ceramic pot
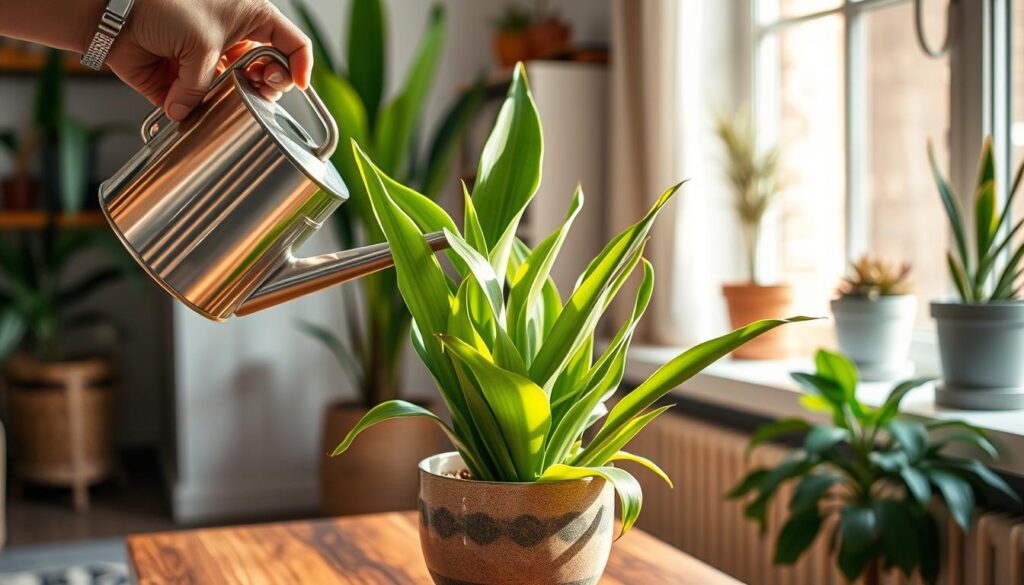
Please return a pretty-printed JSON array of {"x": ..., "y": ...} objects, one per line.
[{"x": 489, "y": 533}]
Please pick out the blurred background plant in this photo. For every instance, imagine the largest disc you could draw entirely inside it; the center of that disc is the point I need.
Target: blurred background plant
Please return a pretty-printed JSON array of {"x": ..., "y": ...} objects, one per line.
[
  {"x": 371, "y": 349},
  {"x": 874, "y": 277},
  {"x": 873, "y": 469},
  {"x": 753, "y": 172}
]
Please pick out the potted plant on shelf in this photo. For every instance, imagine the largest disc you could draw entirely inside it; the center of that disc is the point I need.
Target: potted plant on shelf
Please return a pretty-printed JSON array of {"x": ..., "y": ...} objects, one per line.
[
  {"x": 548, "y": 35},
  {"x": 981, "y": 334},
  {"x": 873, "y": 471},
  {"x": 512, "y": 36},
  {"x": 370, "y": 350},
  {"x": 875, "y": 318},
  {"x": 526, "y": 497},
  {"x": 60, "y": 401},
  {"x": 753, "y": 173}
]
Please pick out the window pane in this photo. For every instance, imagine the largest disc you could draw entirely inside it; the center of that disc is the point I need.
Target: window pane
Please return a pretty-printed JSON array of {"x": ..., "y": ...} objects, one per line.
[
  {"x": 908, "y": 105},
  {"x": 1017, "y": 56},
  {"x": 793, "y": 8},
  {"x": 811, "y": 136}
]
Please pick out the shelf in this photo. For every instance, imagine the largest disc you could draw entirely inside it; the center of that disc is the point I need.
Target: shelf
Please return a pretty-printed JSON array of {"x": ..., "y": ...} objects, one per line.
[
  {"x": 34, "y": 220},
  {"x": 18, "y": 62}
]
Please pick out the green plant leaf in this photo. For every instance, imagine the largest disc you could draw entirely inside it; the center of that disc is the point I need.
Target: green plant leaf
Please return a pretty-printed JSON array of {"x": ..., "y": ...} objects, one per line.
[
  {"x": 367, "y": 62},
  {"x": 394, "y": 409},
  {"x": 931, "y": 549},
  {"x": 752, "y": 480},
  {"x": 598, "y": 452},
  {"x": 985, "y": 222},
  {"x": 681, "y": 368},
  {"x": 958, "y": 495},
  {"x": 912, "y": 436},
  {"x": 74, "y": 165},
  {"x": 858, "y": 526},
  {"x": 821, "y": 438},
  {"x": 624, "y": 456},
  {"x": 486, "y": 425},
  {"x": 898, "y": 531},
  {"x": 917, "y": 484},
  {"x": 793, "y": 465},
  {"x": 972, "y": 469},
  {"x": 628, "y": 488},
  {"x": 953, "y": 212},
  {"x": 520, "y": 407},
  {"x": 959, "y": 277},
  {"x": 811, "y": 489},
  {"x": 510, "y": 164},
  {"x": 891, "y": 407},
  {"x": 481, "y": 270},
  {"x": 776, "y": 430},
  {"x": 397, "y": 121},
  {"x": 839, "y": 369},
  {"x": 797, "y": 535},
  {"x": 12, "y": 330},
  {"x": 979, "y": 441}
]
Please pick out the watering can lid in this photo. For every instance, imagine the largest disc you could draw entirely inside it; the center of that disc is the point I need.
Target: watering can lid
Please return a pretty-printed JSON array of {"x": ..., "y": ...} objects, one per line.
[{"x": 292, "y": 139}]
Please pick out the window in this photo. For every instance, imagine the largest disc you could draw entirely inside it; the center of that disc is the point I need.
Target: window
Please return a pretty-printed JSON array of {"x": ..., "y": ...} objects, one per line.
[
  {"x": 1017, "y": 64},
  {"x": 847, "y": 92}
]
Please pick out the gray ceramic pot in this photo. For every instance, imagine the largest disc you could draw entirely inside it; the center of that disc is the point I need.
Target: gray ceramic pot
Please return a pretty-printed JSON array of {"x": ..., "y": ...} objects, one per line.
[
  {"x": 876, "y": 333},
  {"x": 982, "y": 350},
  {"x": 489, "y": 533}
]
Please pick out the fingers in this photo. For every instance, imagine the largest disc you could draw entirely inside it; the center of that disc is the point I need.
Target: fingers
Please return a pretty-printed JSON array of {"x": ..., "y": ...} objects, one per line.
[
  {"x": 284, "y": 36},
  {"x": 195, "y": 73}
]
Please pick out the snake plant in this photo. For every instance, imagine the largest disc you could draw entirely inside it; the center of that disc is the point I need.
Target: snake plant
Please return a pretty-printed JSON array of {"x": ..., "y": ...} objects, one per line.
[
  {"x": 976, "y": 276},
  {"x": 390, "y": 131},
  {"x": 874, "y": 471},
  {"x": 514, "y": 360}
]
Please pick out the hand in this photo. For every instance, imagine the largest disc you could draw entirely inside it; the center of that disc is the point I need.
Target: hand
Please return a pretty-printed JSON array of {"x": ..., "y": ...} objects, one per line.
[{"x": 170, "y": 50}]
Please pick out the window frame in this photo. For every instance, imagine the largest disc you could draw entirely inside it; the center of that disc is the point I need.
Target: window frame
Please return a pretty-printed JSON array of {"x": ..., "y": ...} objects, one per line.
[{"x": 980, "y": 62}]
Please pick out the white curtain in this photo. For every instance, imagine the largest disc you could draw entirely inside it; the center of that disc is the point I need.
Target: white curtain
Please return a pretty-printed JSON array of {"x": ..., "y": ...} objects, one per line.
[{"x": 659, "y": 136}]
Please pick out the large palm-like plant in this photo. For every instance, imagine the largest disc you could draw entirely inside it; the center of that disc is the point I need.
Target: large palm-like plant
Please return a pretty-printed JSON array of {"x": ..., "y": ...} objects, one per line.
[
  {"x": 371, "y": 348},
  {"x": 515, "y": 365}
]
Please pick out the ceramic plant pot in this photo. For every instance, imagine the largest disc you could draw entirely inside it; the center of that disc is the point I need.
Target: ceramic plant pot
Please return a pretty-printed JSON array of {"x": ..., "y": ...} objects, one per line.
[
  {"x": 981, "y": 347},
  {"x": 489, "y": 533},
  {"x": 363, "y": 482},
  {"x": 751, "y": 302},
  {"x": 876, "y": 333},
  {"x": 548, "y": 38},
  {"x": 511, "y": 47}
]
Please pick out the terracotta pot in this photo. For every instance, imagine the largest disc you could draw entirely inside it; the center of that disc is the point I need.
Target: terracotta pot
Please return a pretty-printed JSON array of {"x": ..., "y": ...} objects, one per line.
[
  {"x": 61, "y": 418},
  {"x": 752, "y": 302},
  {"x": 549, "y": 38},
  {"x": 378, "y": 473},
  {"x": 511, "y": 47},
  {"x": 19, "y": 193},
  {"x": 491, "y": 533}
]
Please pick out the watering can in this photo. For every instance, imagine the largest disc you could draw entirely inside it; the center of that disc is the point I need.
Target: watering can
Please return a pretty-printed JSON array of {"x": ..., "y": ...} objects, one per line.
[{"x": 213, "y": 207}]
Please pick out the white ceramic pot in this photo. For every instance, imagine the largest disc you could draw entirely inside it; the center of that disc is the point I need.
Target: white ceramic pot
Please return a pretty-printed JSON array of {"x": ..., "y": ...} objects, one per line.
[{"x": 876, "y": 334}]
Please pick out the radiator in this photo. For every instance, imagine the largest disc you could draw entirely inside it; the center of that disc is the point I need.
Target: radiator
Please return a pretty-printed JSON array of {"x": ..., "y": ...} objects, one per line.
[{"x": 705, "y": 461}]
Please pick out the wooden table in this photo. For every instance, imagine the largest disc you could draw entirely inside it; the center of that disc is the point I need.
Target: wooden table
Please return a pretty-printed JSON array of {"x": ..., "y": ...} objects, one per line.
[{"x": 382, "y": 548}]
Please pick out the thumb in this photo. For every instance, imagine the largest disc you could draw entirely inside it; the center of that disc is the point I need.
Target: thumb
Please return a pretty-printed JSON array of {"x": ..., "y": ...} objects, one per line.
[{"x": 195, "y": 73}]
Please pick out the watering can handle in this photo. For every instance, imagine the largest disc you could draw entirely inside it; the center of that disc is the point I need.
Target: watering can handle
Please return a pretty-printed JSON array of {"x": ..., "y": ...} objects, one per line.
[{"x": 152, "y": 124}]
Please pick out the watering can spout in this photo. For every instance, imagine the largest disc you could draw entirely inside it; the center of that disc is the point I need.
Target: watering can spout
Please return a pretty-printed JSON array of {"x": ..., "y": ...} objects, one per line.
[{"x": 301, "y": 276}]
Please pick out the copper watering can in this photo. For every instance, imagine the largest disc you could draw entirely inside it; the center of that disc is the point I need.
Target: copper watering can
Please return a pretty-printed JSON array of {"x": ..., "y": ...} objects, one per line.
[{"x": 213, "y": 207}]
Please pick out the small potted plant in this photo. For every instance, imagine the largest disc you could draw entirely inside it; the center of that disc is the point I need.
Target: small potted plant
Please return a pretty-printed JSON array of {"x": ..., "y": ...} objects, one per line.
[
  {"x": 753, "y": 173},
  {"x": 875, "y": 318},
  {"x": 548, "y": 35},
  {"x": 516, "y": 367},
  {"x": 512, "y": 36},
  {"x": 871, "y": 470},
  {"x": 981, "y": 333}
]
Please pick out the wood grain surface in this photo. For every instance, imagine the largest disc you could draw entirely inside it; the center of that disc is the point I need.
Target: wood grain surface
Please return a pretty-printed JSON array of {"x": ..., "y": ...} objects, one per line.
[{"x": 367, "y": 550}]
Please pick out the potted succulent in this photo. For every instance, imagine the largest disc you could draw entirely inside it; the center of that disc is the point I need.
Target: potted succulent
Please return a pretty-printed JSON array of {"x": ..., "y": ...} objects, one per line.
[
  {"x": 548, "y": 35},
  {"x": 371, "y": 349},
  {"x": 873, "y": 471},
  {"x": 515, "y": 364},
  {"x": 512, "y": 36},
  {"x": 875, "y": 318},
  {"x": 753, "y": 174},
  {"x": 981, "y": 334}
]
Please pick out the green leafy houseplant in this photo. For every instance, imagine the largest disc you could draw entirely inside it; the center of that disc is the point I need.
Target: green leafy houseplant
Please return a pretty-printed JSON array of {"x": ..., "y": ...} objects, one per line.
[
  {"x": 390, "y": 132},
  {"x": 513, "y": 361},
  {"x": 975, "y": 275},
  {"x": 754, "y": 175},
  {"x": 874, "y": 470}
]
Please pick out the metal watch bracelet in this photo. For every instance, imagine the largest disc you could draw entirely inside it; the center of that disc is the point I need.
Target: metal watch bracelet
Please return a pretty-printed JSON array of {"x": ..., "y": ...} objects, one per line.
[{"x": 114, "y": 17}]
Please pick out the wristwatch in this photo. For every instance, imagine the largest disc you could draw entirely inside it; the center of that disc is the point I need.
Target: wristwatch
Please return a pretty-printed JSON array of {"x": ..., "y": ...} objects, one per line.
[{"x": 113, "y": 19}]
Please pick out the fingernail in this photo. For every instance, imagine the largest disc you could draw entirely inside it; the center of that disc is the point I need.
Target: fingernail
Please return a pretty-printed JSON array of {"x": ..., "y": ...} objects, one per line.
[
  {"x": 275, "y": 77},
  {"x": 178, "y": 111}
]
